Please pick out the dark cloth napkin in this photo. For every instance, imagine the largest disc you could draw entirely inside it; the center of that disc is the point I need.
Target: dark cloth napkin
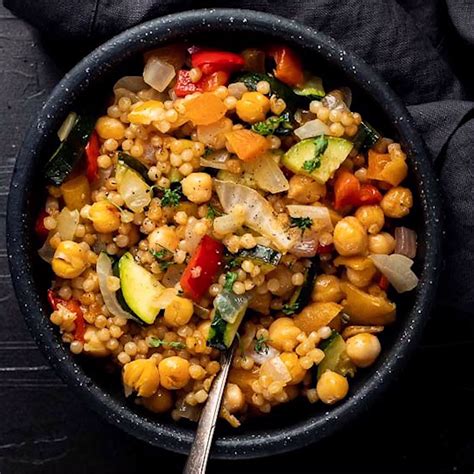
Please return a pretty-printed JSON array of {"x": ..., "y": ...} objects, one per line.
[{"x": 423, "y": 48}]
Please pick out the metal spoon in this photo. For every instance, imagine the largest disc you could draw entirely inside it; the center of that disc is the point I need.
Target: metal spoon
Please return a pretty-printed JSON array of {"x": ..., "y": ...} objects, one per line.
[{"x": 197, "y": 459}]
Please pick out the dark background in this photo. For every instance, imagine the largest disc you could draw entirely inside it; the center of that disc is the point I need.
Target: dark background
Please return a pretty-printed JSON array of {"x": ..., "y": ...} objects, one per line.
[{"x": 422, "y": 424}]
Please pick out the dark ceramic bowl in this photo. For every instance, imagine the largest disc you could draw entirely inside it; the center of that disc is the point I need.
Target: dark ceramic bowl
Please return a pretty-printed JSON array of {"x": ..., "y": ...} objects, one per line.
[{"x": 289, "y": 426}]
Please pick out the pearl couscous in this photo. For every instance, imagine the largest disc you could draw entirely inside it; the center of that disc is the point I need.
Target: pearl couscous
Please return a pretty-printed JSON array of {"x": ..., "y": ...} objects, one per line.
[{"x": 215, "y": 201}]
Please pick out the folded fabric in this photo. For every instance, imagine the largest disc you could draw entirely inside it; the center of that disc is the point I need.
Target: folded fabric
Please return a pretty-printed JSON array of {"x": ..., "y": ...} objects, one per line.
[{"x": 413, "y": 44}]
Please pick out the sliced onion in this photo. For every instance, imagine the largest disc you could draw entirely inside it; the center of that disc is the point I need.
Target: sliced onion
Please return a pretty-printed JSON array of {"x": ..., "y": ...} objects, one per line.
[
  {"x": 191, "y": 237},
  {"x": 276, "y": 370},
  {"x": 131, "y": 83},
  {"x": 216, "y": 160},
  {"x": 259, "y": 214},
  {"x": 397, "y": 269},
  {"x": 213, "y": 135},
  {"x": 158, "y": 73},
  {"x": 313, "y": 128},
  {"x": 183, "y": 410},
  {"x": 307, "y": 247},
  {"x": 261, "y": 357},
  {"x": 67, "y": 126},
  {"x": 104, "y": 270},
  {"x": 318, "y": 214},
  {"x": 405, "y": 242},
  {"x": 227, "y": 224},
  {"x": 67, "y": 223},
  {"x": 202, "y": 312},
  {"x": 166, "y": 297},
  {"x": 46, "y": 252},
  {"x": 268, "y": 174},
  {"x": 173, "y": 275},
  {"x": 133, "y": 189},
  {"x": 336, "y": 99}
]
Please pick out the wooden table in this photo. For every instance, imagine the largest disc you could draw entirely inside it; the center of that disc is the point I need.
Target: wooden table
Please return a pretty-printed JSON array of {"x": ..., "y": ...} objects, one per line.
[{"x": 424, "y": 423}]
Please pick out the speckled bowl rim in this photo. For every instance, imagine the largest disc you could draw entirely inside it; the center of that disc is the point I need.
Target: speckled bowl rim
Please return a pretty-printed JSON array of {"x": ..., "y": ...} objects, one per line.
[{"x": 145, "y": 36}]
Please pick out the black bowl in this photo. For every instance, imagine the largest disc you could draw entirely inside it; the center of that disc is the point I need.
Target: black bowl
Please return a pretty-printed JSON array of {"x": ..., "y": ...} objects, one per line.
[{"x": 290, "y": 426}]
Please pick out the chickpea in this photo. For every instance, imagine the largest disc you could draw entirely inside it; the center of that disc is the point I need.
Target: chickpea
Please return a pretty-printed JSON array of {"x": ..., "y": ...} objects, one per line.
[
  {"x": 197, "y": 187},
  {"x": 160, "y": 402},
  {"x": 104, "y": 216},
  {"x": 305, "y": 190},
  {"x": 382, "y": 243},
  {"x": 142, "y": 376},
  {"x": 174, "y": 372},
  {"x": 291, "y": 360},
  {"x": 363, "y": 349},
  {"x": 163, "y": 238},
  {"x": 327, "y": 289},
  {"x": 397, "y": 202},
  {"x": 283, "y": 334},
  {"x": 332, "y": 387},
  {"x": 350, "y": 238},
  {"x": 361, "y": 278},
  {"x": 69, "y": 260},
  {"x": 108, "y": 127},
  {"x": 371, "y": 217},
  {"x": 234, "y": 399},
  {"x": 178, "y": 312},
  {"x": 252, "y": 107}
]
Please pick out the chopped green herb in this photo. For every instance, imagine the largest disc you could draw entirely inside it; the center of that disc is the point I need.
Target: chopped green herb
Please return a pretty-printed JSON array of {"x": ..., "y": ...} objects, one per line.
[
  {"x": 321, "y": 145},
  {"x": 163, "y": 257},
  {"x": 171, "y": 197},
  {"x": 261, "y": 346},
  {"x": 274, "y": 125},
  {"x": 230, "y": 279},
  {"x": 212, "y": 212},
  {"x": 155, "y": 342},
  {"x": 290, "y": 309},
  {"x": 208, "y": 151},
  {"x": 302, "y": 222},
  {"x": 232, "y": 263}
]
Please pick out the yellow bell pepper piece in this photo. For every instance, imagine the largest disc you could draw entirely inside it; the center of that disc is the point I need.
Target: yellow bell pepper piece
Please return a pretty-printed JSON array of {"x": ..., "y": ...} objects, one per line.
[
  {"x": 147, "y": 112},
  {"x": 76, "y": 192},
  {"x": 366, "y": 309}
]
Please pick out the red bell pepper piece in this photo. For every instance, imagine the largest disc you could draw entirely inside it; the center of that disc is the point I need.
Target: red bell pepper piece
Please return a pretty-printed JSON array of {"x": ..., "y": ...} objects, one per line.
[
  {"x": 323, "y": 249},
  {"x": 213, "y": 81},
  {"x": 209, "y": 61},
  {"x": 92, "y": 153},
  {"x": 73, "y": 306},
  {"x": 346, "y": 190},
  {"x": 288, "y": 65},
  {"x": 40, "y": 229},
  {"x": 368, "y": 195},
  {"x": 384, "y": 283},
  {"x": 184, "y": 85},
  {"x": 202, "y": 268}
]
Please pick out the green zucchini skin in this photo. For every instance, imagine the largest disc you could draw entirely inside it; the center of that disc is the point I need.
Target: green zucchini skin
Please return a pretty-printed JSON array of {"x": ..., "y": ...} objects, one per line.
[
  {"x": 70, "y": 151},
  {"x": 251, "y": 79},
  {"x": 335, "y": 357},
  {"x": 136, "y": 165},
  {"x": 366, "y": 137},
  {"x": 302, "y": 294},
  {"x": 266, "y": 257},
  {"x": 217, "y": 332},
  {"x": 312, "y": 89}
]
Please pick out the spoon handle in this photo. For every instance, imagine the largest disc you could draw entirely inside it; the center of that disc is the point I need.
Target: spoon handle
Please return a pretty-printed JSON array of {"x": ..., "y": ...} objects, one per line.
[{"x": 197, "y": 459}]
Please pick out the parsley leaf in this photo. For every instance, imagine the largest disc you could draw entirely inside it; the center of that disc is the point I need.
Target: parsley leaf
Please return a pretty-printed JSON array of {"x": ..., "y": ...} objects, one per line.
[
  {"x": 274, "y": 125},
  {"x": 290, "y": 309},
  {"x": 230, "y": 279},
  {"x": 155, "y": 342},
  {"x": 301, "y": 222},
  {"x": 261, "y": 346},
  {"x": 321, "y": 143},
  {"x": 171, "y": 197},
  {"x": 163, "y": 257},
  {"x": 212, "y": 212}
]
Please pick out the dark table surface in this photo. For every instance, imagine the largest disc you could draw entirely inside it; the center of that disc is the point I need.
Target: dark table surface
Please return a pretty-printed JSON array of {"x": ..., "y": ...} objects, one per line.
[{"x": 424, "y": 423}]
